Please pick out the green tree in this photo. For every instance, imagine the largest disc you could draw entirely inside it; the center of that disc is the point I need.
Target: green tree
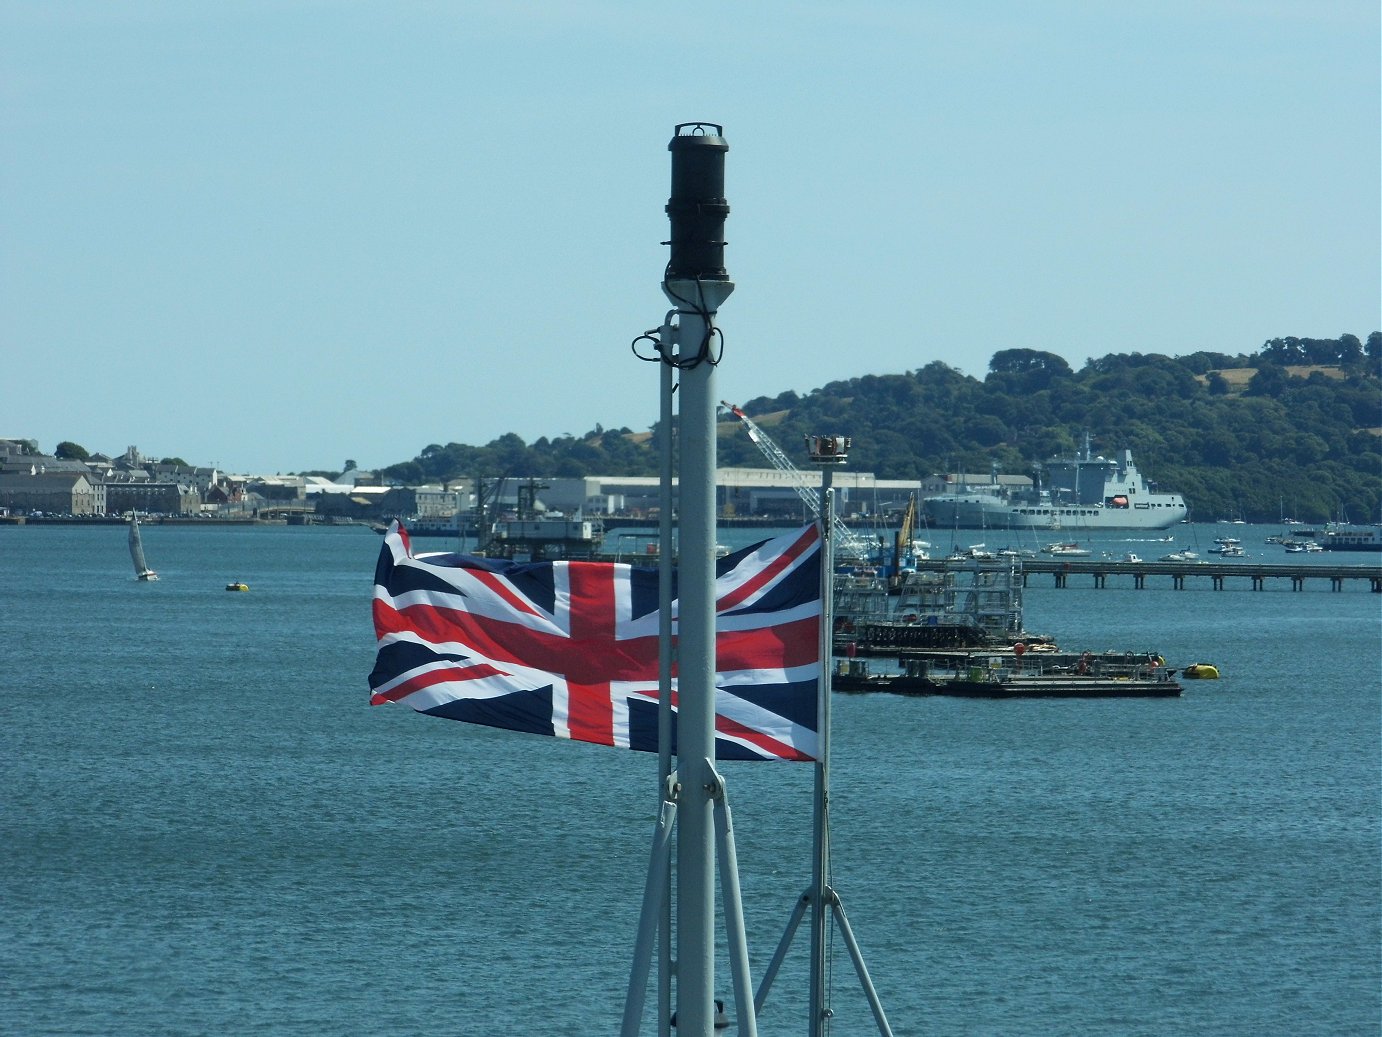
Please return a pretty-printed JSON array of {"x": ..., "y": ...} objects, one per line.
[
  {"x": 1270, "y": 380},
  {"x": 405, "y": 473},
  {"x": 1021, "y": 361},
  {"x": 69, "y": 451}
]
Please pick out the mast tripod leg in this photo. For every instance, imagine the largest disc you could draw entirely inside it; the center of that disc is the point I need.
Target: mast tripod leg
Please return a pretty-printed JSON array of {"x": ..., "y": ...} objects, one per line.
[
  {"x": 838, "y": 910},
  {"x": 783, "y": 946},
  {"x": 654, "y": 896},
  {"x": 734, "y": 915}
]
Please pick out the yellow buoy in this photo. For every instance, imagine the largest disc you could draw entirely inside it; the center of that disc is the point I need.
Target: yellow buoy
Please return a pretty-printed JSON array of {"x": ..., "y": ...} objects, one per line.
[{"x": 1201, "y": 672}]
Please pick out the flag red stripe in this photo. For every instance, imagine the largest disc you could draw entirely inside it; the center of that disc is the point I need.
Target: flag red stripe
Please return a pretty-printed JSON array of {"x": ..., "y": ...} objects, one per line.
[
  {"x": 441, "y": 675},
  {"x": 501, "y": 588},
  {"x": 788, "y": 644},
  {"x": 590, "y": 709},
  {"x": 770, "y": 572},
  {"x": 770, "y": 746}
]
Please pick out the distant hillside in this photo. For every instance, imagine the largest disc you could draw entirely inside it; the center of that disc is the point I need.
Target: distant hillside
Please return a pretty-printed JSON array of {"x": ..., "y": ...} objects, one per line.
[
  {"x": 1293, "y": 428},
  {"x": 1237, "y": 378}
]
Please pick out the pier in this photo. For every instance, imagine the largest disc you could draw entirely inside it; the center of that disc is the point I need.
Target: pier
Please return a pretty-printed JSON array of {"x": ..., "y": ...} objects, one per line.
[{"x": 1213, "y": 574}]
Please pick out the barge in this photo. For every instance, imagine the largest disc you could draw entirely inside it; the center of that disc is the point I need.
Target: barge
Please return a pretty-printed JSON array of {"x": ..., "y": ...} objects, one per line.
[{"x": 1151, "y": 680}]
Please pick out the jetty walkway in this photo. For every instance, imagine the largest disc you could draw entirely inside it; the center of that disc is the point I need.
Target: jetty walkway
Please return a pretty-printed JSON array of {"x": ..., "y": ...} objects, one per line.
[{"x": 1214, "y": 574}]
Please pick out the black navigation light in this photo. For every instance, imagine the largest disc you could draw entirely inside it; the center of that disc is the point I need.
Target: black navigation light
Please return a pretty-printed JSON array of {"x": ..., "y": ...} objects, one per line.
[{"x": 697, "y": 207}]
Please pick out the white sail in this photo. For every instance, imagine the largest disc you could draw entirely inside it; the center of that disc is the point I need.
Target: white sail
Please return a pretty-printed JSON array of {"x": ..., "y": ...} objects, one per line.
[{"x": 141, "y": 568}]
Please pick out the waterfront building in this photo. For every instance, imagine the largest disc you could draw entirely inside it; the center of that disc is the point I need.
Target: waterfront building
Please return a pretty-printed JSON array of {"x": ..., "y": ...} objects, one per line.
[
  {"x": 150, "y": 497},
  {"x": 52, "y": 493}
]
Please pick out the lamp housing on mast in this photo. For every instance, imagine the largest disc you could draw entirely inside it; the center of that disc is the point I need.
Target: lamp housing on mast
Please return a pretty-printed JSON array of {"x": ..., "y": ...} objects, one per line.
[{"x": 697, "y": 207}]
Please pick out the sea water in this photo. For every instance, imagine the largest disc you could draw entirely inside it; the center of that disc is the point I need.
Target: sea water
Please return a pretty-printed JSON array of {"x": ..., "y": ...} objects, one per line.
[{"x": 205, "y": 829}]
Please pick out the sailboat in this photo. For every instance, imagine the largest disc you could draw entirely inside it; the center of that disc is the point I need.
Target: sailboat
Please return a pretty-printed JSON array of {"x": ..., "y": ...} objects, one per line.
[{"x": 141, "y": 568}]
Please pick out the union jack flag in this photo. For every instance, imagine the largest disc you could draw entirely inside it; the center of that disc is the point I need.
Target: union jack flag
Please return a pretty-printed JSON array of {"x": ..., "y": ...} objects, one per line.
[{"x": 570, "y": 648}]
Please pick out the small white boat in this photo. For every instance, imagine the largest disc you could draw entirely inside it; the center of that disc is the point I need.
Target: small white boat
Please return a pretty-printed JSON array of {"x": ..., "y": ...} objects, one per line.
[
  {"x": 1134, "y": 559},
  {"x": 1065, "y": 551},
  {"x": 1227, "y": 547},
  {"x": 1181, "y": 556},
  {"x": 1293, "y": 546},
  {"x": 141, "y": 568}
]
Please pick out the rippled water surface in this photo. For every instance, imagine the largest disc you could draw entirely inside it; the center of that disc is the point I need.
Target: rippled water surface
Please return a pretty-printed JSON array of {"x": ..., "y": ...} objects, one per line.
[{"x": 206, "y": 829}]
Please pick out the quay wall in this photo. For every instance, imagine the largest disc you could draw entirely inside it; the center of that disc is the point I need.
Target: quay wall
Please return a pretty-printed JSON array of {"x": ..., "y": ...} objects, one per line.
[{"x": 1186, "y": 575}]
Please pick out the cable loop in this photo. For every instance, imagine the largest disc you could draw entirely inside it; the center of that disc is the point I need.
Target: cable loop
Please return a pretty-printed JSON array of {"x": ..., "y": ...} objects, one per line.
[
  {"x": 661, "y": 351},
  {"x": 648, "y": 336},
  {"x": 703, "y": 354}
]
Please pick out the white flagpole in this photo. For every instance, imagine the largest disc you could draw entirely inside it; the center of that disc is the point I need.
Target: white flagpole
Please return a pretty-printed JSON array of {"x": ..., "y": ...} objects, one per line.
[
  {"x": 664, "y": 670},
  {"x": 821, "y": 898},
  {"x": 820, "y": 863}
]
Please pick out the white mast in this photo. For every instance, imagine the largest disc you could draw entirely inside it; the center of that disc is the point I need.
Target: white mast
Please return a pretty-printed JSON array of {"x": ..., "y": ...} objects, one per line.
[{"x": 696, "y": 283}]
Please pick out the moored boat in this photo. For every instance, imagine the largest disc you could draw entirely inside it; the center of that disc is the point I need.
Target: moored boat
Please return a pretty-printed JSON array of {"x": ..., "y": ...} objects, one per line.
[
  {"x": 1228, "y": 547},
  {"x": 1180, "y": 556},
  {"x": 1065, "y": 551},
  {"x": 1345, "y": 537},
  {"x": 1084, "y": 492}
]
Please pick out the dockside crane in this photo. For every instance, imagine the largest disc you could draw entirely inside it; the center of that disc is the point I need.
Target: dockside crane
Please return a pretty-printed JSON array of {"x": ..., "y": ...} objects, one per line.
[
  {"x": 848, "y": 544},
  {"x": 902, "y": 541}
]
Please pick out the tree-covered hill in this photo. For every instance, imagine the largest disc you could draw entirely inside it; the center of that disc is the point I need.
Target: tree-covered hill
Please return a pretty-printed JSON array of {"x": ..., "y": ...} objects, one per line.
[{"x": 1294, "y": 427}]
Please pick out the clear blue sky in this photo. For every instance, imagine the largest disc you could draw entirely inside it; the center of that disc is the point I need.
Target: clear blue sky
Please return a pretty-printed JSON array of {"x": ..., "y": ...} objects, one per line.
[{"x": 276, "y": 235}]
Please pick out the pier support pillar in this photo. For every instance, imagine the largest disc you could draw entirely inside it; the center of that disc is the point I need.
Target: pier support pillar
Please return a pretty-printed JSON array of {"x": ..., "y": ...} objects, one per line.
[
  {"x": 1259, "y": 583},
  {"x": 1218, "y": 582},
  {"x": 1178, "y": 581},
  {"x": 1297, "y": 583},
  {"x": 1060, "y": 579},
  {"x": 1336, "y": 583},
  {"x": 1139, "y": 581},
  {"x": 1099, "y": 580}
]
